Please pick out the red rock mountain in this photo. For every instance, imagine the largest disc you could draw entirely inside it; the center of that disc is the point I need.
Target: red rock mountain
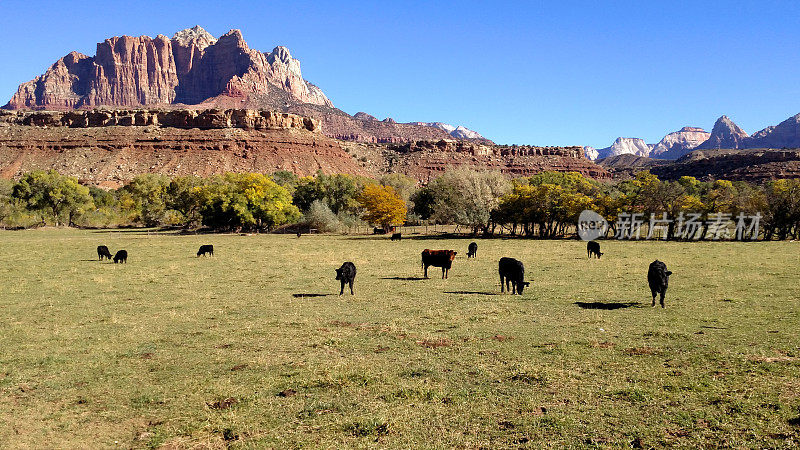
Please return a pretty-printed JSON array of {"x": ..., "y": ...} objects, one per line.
[
  {"x": 194, "y": 69},
  {"x": 190, "y": 68},
  {"x": 725, "y": 134}
]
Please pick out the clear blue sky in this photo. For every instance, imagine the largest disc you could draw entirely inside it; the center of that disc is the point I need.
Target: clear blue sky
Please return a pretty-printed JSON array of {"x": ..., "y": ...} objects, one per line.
[{"x": 545, "y": 73}]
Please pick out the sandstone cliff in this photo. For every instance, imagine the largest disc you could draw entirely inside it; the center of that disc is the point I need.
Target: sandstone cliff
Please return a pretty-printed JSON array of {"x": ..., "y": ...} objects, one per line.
[
  {"x": 189, "y": 68},
  {"x": 425, "y": 160},
  {"x": 194, "y": 69},
  {"x": 725, "y": 134},
  {"x": 175, "y": 118},
  {"x": 621, "y": 146},
  {"x": 109, "y": 147},
  {"x": 678, "y": 143}
]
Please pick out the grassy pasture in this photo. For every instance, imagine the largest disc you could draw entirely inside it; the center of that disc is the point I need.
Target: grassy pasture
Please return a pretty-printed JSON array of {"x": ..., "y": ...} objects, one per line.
[{"x": 254, "y": 348}]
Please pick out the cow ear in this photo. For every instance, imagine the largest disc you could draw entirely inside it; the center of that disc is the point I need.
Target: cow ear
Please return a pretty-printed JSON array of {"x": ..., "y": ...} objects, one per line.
[{"x": 669, "y": 273}]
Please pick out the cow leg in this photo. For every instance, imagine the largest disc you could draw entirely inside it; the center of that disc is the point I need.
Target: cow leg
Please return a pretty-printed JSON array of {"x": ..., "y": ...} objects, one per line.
[
  {"x": 351, "y": 288},
  {"x": 654, "y": 298},
  {"x": 341, "y": 291},
  {"x": 662, "y": 297},
  {"x": 426, "y": 271},
  {"x": 502, "y": 285},
  {"x": 444, "y": 273}
]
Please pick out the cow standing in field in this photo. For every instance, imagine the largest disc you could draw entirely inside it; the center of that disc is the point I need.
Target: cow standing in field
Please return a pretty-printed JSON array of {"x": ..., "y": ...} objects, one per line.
[
  {"x": 396, "y": 237},
  {"x": 512, "y": 272},
  {"x": 206, "y": 249},
  {"x": 121, "y": 257},
  {"x": 346, "y": 274},
  {"x": 658, "y": 279},
  {"x": 102, "y": 252},
  {"x": 593, "y": 248},
  {"x": 472, "y": 250},
  {"x": 438, "y": 258}
]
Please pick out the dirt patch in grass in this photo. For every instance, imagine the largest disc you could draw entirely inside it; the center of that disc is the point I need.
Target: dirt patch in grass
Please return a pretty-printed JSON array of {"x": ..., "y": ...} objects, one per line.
[
  {"x": 238, "y": 367},
  {"x": 604, "y": 344},
  {"x": 640, "y": 351},
  {"x": 287, "y": 393},
  {"x": 435, "y": 343},
  {"x": 223, "y": 404}
]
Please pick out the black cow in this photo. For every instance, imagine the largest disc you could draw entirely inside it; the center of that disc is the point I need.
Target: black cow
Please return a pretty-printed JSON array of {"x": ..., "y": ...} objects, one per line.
[
  {"x": 346, "y": 274},
  {"x": 472, "y": 250},
  {"x": 512, "y": 272},
  {"x": 658, "y": 279},
  {"x": 397, "y": 237},
  {"x": 376, "y": 230},
  {"x": 593, "y": 248},
  {"x": 438, "y": 258},
  {"x": 206, "y": 249},
  {"x": 299, "y": 234},
  {"x": 121, "y": 257},
  {"x": 102, "y": 252}
]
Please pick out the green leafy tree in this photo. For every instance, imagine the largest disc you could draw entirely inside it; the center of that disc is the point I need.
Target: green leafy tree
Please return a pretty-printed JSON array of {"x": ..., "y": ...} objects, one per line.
[
  {"x": 60, "y": 197},
  {"x": 245, "y": 200},
  {"x": 148, "y": 194},
  {"x": 181, "y": 196}
]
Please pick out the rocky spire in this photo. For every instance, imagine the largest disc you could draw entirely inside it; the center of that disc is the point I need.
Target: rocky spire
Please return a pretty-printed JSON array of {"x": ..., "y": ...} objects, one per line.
[{"x": 725, "y": 134}]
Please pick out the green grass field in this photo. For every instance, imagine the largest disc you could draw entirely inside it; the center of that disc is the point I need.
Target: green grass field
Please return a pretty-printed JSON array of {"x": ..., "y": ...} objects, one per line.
[{"x": 181, "y": 351}]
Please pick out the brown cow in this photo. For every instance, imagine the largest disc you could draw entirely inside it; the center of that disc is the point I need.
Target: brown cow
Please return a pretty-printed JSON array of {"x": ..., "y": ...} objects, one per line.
[{"x": 438, "y": 258}]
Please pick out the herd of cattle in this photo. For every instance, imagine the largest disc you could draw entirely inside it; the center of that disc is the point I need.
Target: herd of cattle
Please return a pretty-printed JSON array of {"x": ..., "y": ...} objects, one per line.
[{"x": 512, "y": 271}]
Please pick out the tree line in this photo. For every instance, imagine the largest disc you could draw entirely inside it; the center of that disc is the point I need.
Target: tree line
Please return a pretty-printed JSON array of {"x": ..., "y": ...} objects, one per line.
[{"x": 546, "y": 205}]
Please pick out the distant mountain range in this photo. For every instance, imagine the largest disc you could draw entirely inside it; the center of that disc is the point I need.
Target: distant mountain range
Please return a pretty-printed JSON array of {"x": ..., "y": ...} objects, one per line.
[
  {"x": 725, "y": 135},
  {"x": 196, "y": 70}
]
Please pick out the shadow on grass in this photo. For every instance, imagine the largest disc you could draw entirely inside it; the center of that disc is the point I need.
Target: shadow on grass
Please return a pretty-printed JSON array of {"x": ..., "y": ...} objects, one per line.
[
  {"x": 607, "y": 306},
  {"x": 403, "y": 278},
  {"x": 310, "y": 295},
  {"x": 471, "y": 293}
]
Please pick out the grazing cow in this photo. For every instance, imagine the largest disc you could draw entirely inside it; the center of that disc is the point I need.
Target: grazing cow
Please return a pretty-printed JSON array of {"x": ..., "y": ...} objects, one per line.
[
  {"x": 299, "y": 234},
  {"x": 376, "y": 230},
  {"x": 397, "y": 237},
  {"x": 512, "y": 272},
  {"x": 438, "y": 258},
  {"x": 206, "y": 249},
  {"x": 121, "y": 257},
  {"x": 658, "y": 279},
  {"x": 472, "y": 250},
  {"x": 102, "y": 252},
  {"x": 593, "y": 248},
  {"x": 346, "y": 274}
]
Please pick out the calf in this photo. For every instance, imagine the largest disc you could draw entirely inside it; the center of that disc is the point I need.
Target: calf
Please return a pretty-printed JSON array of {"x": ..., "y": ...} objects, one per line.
[
  {"x": 206, "y": 249},
  {"x": 658, "y": 279},
  {"x": 346, "y": 274},
  {"x": 396, "y": 237},
  {"x": 593, "y": 248},
  {"x": 472, "y": 250},
  {"x": 438, "y": 258},
  {"x": 513, "y": 272},
  {"x": 121, "y": 257},
  {"x": 102, "y": 252}
]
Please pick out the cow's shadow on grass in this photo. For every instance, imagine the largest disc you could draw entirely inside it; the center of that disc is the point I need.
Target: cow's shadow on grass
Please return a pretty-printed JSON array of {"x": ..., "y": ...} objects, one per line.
[
  {"x": 403, "y": 278},
  {"x": 472, "y": 293},
  {"x": 310, "y": 295},
  {"x": 608, "y": 306}
]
